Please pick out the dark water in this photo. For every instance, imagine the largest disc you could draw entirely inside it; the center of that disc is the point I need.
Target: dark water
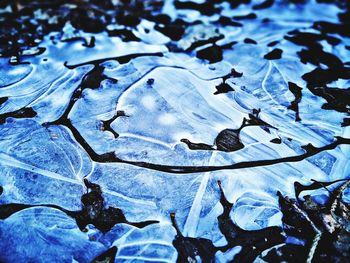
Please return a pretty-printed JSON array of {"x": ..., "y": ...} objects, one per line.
[{"x": 151, "y": 131}]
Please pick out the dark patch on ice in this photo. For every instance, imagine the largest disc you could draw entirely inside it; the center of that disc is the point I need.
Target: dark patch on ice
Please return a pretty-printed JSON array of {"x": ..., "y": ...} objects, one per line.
[
  {"x": 250, "y": 41},
  {"x": 90, "y": 42},
  {"x": 227, "y": 21},
  {"x": 294, "y": 105},
  {"x": 212, "y": 54},
  {"x": 129, "y": 20},
  {"x": 94, "y": 78},
  {"x": 276, "y": 141},
  {"x": 150, "y": 81},
  {"x": 210, "y": 40},
  {"x": 87, "y": 21},
  {"x": 317, "y": 56},
  {"x": 274, "y": 54},
  {"x": 223, "y": 88},
  {"x": 310, "y": 39},
  {"x": 173, "y": 31},
  {"x": 245, "y": 17},
  {"x": 236, "y": 74},
  {"x": 207, "y": 8},
  {"x": 18, "y": 114},
  {"x": 125, "y": 34},
  {"x": 320, "y": 77},
  {"x": 273, "y": 43},
  {"x": 332, "y": 28}
]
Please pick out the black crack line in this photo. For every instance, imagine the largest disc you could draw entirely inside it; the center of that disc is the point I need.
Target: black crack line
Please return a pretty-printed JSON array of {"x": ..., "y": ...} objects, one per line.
[
  {"x": 110, "y": 157},
  {"x": 120, "y": 59}
]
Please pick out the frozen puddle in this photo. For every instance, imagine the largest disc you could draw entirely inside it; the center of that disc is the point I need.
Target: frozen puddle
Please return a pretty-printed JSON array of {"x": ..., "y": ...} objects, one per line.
[{"x": 178, "y": 134}]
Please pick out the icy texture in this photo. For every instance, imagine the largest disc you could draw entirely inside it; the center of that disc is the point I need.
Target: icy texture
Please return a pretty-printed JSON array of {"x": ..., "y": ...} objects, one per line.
[{"x": 164, "y": 99}]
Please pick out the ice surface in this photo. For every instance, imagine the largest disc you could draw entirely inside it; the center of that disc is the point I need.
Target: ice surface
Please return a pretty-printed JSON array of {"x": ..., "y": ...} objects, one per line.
[{"x": 162, "y": 97}]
